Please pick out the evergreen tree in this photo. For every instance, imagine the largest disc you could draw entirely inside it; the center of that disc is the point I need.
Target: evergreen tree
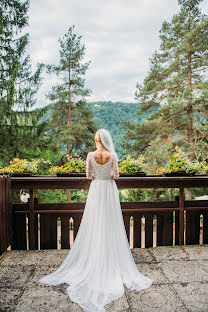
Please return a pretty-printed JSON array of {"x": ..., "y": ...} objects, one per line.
[
  {"x": 18, "y": 85},
  {"x": 12, "y": 19},
  {"x": 71, "y": 120},
  {"x": 174, "y": 93},
  {"x": 27, "y": 138}
]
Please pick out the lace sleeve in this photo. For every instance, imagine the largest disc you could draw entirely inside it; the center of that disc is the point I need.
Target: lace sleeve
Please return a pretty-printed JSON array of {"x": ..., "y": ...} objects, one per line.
[
  {"x": 88, "y": 167},
  {"x": 115, "y": 166}
]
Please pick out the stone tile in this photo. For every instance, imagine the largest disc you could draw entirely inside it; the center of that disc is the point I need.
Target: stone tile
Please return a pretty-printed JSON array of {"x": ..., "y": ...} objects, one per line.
[
  {"x": 154, "y": 272},
  {"x": 50, "y": 299},
  {"x": 56, "y": 299},
  {"x": 185, "y": 268},
  {"x": 39, "y": 272},
  {"x": 167, "y": 253},
  {"x": 7, "y": 256},
  {"x": 196, "y": 251},
  {"x": 194, "y": 295},
  {"x": 186, "y": 271},
  {"x": 157, "y": 298},
  {"x": 118, "y": 305},
  {"x": 142, "y": 255},
  {"x": 9, "y": 298},
  {"x": 43, "y": 257},
  {"x": 15, "y": 276},
  {"x": 3, "y": 255}
]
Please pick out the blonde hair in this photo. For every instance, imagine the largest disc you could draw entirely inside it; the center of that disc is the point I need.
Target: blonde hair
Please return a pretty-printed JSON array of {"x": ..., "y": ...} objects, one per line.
[{"x": 97, "y": 135}]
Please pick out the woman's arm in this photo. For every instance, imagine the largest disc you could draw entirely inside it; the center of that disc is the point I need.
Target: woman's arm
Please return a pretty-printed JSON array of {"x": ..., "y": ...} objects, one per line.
[
  {"x": 89, "y": 174},
  {"x": 115, "y": 166}
]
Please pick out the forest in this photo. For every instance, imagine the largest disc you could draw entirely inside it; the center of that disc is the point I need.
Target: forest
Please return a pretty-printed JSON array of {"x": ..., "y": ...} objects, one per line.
[
  {"x": 108, "y": 115},
  {"x": 170, "y": 109}
]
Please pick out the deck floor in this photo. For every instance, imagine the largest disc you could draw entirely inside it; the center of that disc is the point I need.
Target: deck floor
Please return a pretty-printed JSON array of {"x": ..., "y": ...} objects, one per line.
[{"x": 180, "y": 284}]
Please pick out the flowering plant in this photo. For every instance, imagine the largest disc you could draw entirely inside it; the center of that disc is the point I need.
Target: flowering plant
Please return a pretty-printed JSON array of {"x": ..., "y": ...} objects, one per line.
[
  {"x": 75, "y": 164},
  {"x": 180, "y": 163},
  {"x": 131, "y": 165},
  {"x": 23, "y": 165}
]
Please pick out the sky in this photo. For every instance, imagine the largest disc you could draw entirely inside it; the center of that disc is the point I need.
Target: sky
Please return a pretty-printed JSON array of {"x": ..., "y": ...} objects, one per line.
[{"x": 119, "y": 36}]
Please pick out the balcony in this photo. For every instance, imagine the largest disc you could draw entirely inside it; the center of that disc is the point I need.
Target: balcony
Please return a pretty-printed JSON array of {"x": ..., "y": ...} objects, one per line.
[
  {"x": 179, "y": 274},
  {"x": 168, "y": 240}
]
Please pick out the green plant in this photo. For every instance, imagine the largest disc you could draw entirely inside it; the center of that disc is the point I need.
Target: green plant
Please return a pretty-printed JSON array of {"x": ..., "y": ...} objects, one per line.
[
  {"x": 42, "y": 165},
  {"x": 179, "y": 162},
  {"x": 131, "y": 165},
  {"x": 23, "y": 165},
  {"x": 75, "y": 164}
]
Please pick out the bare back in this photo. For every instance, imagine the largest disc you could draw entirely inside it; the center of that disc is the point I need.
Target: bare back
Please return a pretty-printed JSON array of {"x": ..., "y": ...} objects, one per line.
[{"x": 102, "y": 157}]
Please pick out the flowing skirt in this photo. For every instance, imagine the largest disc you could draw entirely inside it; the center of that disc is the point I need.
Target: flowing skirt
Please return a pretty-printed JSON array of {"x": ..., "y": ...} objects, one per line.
[{"x": 100, "y": 259}]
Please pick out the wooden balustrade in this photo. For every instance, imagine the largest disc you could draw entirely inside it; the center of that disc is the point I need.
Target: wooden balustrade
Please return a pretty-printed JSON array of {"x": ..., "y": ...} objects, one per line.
[{"x": 164, "y": 211}]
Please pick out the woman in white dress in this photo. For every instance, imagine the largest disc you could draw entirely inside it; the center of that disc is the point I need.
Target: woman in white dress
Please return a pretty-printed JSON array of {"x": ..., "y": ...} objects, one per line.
[{"x": 100, "y": 260}]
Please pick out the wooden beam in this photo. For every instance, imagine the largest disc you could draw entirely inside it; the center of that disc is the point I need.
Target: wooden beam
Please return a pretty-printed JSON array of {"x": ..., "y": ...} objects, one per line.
[{"x": 181, "y": 217}]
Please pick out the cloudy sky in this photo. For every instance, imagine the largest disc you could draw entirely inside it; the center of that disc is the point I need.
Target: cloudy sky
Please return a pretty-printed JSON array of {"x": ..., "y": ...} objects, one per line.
[{"x": 119, "y": 36}]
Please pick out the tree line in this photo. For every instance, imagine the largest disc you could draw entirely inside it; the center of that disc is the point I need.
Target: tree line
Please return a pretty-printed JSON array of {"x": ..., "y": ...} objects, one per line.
[{"x": 171, "y": 108}]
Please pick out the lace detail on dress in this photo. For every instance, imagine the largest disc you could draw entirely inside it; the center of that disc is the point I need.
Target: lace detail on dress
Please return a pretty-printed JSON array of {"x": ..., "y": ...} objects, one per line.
[{"x": 106, "y": 171}]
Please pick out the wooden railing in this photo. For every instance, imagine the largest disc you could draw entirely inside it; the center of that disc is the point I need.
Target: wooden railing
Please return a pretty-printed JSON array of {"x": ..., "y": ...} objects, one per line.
[
  {"x": 164, "y": 211},
  {"x": 5, "y": 213}
]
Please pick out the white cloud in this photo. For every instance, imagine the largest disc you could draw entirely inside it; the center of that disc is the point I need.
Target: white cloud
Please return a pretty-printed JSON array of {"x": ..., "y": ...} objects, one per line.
[{"x": 120, "y": 37}]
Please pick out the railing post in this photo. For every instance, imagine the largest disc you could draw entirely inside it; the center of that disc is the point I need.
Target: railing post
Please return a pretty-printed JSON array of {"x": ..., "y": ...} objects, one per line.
[
  {"x": 181, "y": 217},
  {"x": 32, "y": 221},
  {"x": 1, "y": 217},
  {"x": 5, "y": 213}
]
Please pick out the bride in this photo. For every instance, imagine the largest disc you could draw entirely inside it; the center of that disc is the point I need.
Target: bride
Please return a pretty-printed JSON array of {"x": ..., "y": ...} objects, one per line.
[{"x": 100, "y": 260}]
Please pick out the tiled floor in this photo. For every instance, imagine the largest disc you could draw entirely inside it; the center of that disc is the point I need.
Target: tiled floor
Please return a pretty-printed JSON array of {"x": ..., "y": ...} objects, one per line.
[{"x": 180, "y": 276}]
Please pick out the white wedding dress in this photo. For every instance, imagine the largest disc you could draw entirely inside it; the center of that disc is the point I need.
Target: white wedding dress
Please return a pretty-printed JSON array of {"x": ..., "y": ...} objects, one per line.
[{"x": 100, "y": 259}]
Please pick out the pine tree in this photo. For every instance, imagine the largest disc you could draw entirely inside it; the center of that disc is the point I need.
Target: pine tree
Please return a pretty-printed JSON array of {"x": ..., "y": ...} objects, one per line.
[
  {"x": 18, "y": 85},
  {"x": 12, "y": 19},
  {"x": 71, "y": 120},
  {"x": 27, "y": 138},
  {"x": 174, "y": 93}
]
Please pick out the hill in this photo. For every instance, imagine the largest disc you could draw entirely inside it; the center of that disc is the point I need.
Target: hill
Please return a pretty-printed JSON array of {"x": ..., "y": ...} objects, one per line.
[{"x": 109, "y": 115}]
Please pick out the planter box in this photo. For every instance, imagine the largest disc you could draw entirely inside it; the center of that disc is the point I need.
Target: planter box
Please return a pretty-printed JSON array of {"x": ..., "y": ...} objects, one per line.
[
  {"x": 179, "y": 174},
  {"x": 24, "y": 174},
  {"x": 136, "y": 174},
  {"x": 72, "y": 174}
]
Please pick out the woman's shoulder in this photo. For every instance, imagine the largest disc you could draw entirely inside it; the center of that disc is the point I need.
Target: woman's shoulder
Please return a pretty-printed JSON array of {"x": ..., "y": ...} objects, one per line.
[
  {"x": 89, "y": 155},
  {"x": 114, "y": 154}
]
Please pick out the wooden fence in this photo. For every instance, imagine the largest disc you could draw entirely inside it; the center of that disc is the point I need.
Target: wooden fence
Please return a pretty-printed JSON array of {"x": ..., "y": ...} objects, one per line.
[
  {"x": 5, "y": 213},
  {"x": 164, "y": 212}
]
